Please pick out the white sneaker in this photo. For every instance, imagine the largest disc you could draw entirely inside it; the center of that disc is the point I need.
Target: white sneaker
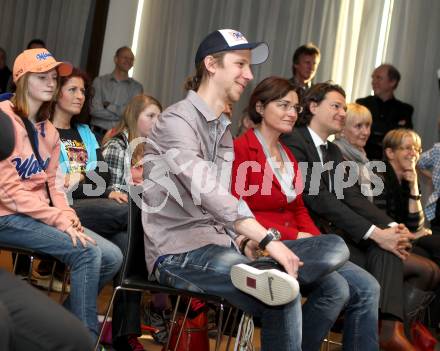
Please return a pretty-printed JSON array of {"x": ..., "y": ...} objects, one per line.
[{"x": 270, "y": 286}]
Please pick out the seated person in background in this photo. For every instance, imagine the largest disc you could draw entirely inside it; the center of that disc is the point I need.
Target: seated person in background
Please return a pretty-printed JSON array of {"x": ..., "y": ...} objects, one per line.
[
  {"x": 139, "y": 117},
  {"x": 274, "y": 107},
  {"x": 429, "y": 164},
  {"x": 351, "y": 141},
  {"x": 305, "y": 62},
  {"x": 387, "y": 111},
  {"x": 192, "y": 232},
  {"x": 245, "y": 123},
  {"x": 113, "y": 92},
  {"x": 5, "y": 72},
  {"x": 86, "y": 177},
  {"x": 401, "y": 199},
  {"x": 34, "y": 213},
  {"x": 36, "y": 43},
  {"x": 375, "y": 241}
]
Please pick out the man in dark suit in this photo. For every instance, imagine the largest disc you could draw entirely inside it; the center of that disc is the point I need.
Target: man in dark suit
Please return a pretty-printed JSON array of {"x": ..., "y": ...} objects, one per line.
[
  {"x": 376, "y": 243},
  {"x": 388, "y": 112}
]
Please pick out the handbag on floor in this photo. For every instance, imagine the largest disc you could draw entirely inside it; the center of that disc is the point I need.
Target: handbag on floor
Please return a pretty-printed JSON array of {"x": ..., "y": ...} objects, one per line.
[
  {"x": 194, "y": 334},
  {"x": 421, "y": 337}
]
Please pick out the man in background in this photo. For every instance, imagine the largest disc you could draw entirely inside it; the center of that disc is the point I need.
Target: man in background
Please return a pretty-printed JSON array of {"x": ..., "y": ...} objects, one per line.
[
  {"x": 388, "y": 112},
  {"x": 113, "y": 92},
  {"x": 305, "y": 63}
]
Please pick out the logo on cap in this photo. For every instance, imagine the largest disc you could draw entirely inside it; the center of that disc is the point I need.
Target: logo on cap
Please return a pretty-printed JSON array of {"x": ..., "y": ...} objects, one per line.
[
  {"x": 233, "y": 37},
  {"x": 237, "y": 35},
  {"x": 43, "y": 56}
]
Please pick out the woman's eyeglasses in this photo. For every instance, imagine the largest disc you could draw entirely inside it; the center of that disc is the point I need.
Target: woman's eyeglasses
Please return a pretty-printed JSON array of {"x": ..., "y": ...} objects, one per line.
[{"x": 286, "y": 107}]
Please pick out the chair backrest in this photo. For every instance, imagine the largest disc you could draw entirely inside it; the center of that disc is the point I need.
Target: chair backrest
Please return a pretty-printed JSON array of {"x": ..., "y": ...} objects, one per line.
[{"x": 134, "y": 259}]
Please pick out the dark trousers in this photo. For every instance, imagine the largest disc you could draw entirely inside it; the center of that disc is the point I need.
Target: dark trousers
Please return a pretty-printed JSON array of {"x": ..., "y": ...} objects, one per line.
[
  {"x": 429, "y": 247},
  {"x": 109, "y": 219},
  {"x": 387, "y": 268},
  {"x": 29, "y": 320}
]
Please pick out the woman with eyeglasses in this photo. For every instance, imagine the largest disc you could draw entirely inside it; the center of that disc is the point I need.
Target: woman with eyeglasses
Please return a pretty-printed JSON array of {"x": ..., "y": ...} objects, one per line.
[
  {"x": 400, "y": 199},
  {"x": 266, "y": 178}
]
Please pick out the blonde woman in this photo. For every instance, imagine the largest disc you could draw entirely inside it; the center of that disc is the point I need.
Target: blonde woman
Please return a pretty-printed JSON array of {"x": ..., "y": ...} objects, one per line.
[
  {"x": 352, "y": 141},
  {"x": 138, "y": 119}
]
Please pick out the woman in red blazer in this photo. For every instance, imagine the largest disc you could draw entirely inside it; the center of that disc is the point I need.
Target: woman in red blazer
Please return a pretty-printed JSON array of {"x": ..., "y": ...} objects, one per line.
[
  {"x": 266, "y": 177},
  {"x": 269, "y": 203}
]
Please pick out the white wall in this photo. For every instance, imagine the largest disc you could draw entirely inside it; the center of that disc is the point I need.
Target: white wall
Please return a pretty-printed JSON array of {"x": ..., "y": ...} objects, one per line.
[{"x": 118, "y": 32}]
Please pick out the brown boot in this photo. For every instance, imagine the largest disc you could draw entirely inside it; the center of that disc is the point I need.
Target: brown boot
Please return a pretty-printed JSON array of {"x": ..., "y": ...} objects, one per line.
[{"x": 392, "y": 337}]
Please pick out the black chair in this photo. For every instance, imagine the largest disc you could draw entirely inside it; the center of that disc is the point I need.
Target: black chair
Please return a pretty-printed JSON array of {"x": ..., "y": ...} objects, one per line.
[
  {"x": 33, "y": 255},
  {"x": 134, "y": 274}
]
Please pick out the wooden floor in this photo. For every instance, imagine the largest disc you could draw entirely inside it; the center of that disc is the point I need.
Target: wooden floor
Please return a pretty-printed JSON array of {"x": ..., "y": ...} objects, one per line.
[{"x": 146, "y": 339}]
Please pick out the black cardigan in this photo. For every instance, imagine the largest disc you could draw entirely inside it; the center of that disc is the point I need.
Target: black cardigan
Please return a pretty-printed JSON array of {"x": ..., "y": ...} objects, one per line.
[{"x": 395, "y": 199}]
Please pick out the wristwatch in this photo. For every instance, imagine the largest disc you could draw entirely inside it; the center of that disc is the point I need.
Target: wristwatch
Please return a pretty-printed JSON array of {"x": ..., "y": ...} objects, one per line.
[{"x": 271, "y": 234}]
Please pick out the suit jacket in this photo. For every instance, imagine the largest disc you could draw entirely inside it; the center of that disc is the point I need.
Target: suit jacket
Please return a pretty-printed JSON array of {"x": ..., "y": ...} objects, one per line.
[
  {"x": 268, "y": 204},
  {"x": 352, "y": 214}
]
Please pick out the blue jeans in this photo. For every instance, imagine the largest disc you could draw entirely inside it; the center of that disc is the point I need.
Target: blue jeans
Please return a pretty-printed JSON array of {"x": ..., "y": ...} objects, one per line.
[
  {"x": 207, "y": 269},
  {"x": 91, "y": 267},
  {"x": 109, "y": 219},
  {"x": 349, "y": 287}
]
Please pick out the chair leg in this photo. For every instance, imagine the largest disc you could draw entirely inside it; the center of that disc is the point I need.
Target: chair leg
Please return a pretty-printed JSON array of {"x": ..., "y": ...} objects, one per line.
[
  {"x": 172, "y": 322},
  {"x": 31, "y": 266},
  {"x": 183, "y": 324},
  {"x": 234, "y": 323},
  {"x": 14, "y": 266},
  {"x": 219, "y": 327},
  {"x": 107, "y": 313},
  {"x": 63, "y": 287},
  {"x": 52, "y": 273}
]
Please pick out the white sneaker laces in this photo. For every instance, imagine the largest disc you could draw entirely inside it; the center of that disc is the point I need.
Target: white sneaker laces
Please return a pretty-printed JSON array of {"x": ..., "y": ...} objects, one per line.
[{"x": 245, "y": 334}]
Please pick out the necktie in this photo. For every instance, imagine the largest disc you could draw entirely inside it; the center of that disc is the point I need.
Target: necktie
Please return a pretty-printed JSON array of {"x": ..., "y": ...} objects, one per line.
[{"x": 325, "y": 159}]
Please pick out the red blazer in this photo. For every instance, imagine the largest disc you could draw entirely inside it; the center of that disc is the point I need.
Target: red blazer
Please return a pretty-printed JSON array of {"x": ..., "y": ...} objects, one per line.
[{"x": 268, "y": 203}]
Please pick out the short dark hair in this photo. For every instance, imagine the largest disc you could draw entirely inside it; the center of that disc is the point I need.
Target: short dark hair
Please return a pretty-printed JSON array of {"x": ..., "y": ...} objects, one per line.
[
  {"x": 306, "y": 49},
  {"x": 36, "y": 41},
  {"x": 268, "y": 90},
  {"x": 122, "y": 48},
  {"x": 317, "y": 94},
  {"x": 393, "y": 73}
]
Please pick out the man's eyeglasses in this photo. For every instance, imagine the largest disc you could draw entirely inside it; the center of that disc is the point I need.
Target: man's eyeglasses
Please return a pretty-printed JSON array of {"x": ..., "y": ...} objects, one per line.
[{"x": 286, "y": 107}]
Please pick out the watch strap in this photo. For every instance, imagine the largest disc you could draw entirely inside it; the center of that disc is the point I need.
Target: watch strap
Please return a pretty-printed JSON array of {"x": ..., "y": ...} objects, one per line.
[{"x": 266, "y": 240}]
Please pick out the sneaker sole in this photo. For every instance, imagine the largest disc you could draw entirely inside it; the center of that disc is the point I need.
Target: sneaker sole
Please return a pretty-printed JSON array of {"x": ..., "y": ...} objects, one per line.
[
  {"x": 57, "y": 286},
  {"x": 270, "y": 286}
]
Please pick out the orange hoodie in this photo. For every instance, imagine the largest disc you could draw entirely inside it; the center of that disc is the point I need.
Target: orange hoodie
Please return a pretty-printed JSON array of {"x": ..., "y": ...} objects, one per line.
[{"x": 22, "y": 179}]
